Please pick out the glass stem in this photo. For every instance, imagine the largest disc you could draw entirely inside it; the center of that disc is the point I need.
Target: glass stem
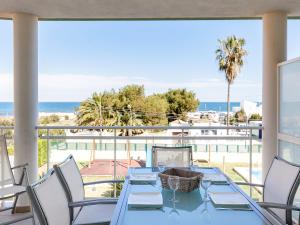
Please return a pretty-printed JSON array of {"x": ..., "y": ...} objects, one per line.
[{"x": 173, "y": 195}]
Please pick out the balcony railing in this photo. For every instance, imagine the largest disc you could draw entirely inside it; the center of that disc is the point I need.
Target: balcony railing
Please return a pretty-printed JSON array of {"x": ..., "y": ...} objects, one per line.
[{"x": 102, "y": 151}]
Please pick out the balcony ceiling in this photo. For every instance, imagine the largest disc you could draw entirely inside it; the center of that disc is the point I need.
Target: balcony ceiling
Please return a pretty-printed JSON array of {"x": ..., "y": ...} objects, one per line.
[{"x": 147, "y": 9}]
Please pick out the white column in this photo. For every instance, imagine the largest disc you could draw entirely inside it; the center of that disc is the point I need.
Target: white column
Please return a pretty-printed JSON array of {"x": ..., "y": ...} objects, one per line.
[
  {"x": 274, "y": 52},
  {"x": 26, "y": 91}
]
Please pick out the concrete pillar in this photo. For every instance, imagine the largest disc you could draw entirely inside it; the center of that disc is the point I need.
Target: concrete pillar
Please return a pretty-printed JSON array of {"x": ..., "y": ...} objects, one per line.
[
  {"x": 26, "y": 91},
  {"x": 274, "y": 52}
]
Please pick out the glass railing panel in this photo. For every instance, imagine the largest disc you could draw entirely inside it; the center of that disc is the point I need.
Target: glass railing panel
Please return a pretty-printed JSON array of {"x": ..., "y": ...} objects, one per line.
[
  {"x": 289, "y": 102},
  {"x": 289, "y": 151},
  {"x": 108, "y": 156}
]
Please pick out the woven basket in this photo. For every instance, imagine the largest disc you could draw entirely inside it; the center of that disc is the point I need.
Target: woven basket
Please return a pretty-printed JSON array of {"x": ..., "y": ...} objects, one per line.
[{"x": 188, "y": 180}]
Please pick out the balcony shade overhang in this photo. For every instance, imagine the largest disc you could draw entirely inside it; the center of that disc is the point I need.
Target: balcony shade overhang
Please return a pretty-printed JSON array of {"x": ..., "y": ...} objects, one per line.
[{"x": 145, "y": 9}]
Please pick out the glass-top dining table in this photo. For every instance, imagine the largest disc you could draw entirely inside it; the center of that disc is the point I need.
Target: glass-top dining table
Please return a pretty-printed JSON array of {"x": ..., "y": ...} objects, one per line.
[{"x": 189, "y": 209}]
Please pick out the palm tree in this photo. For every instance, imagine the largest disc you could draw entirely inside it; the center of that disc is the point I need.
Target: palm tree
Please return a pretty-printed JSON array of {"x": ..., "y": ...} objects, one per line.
[
  {"x": 90, "y": 113},
  {"x": 128, "y": 118},
  {"x": 230, "y": 56}
]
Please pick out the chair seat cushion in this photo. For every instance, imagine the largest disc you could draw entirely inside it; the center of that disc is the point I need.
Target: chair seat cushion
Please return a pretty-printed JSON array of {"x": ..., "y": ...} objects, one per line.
[
  {"x": 95, "y": 214},
  {"x": 11, "y": 190}
]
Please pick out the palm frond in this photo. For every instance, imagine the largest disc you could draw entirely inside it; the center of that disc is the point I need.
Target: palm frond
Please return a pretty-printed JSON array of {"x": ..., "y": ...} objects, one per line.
[{"x": 230, "y": 56}]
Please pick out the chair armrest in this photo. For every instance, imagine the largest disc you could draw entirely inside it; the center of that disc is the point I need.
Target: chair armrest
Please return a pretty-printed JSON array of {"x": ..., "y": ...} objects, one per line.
[
  {"x": 24, "y": 173},
  {"x": 93, "y": 202},
  {"x": 249, "y": 184},
  {"x": 278, "y": 206},
  {"x": 103, "y": 182},
  {"x": 20, "y": 166}
]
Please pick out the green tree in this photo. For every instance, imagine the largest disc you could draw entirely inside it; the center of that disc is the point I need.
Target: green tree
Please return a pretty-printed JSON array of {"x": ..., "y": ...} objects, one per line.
[
  {"x": 128, "y": 118},
  {"x": 155, "y": 109},
  {"x": 53, "y": 118},
  {"x": 240, "y": 116},
  {"x": 7, "y": 122},
  {"x": 89, "y": 113},
  {"x": 110, "y": 192},
  {"x": 133, "y": 96},
  {"x": 111, "y": 108},
  {"x": 255, "y": 116},
  {"x": 98, "y": 110},
  {"x": 42, "y": 152},
  {"x": 130, "y": 108},
  {"x": 230, "y": 56},
  {"x": 232, "y": 120},
  {"x": 180, "y": 102}
]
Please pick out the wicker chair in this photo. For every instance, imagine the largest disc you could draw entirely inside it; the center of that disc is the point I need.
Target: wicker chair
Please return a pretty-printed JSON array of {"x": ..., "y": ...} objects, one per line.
[{"x": 172, "y": 156}]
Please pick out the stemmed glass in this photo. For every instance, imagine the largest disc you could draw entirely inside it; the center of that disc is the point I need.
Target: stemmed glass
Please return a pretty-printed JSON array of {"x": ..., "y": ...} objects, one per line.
[
  {"x": 174, "y": 215},
  {"x": 194, "y": 167},
  {"x": 205, "y": 185},
  {"x": 173, "y": 182},
  {"x": 161, "y": 167},
  {"x": 205, "y": 216}
]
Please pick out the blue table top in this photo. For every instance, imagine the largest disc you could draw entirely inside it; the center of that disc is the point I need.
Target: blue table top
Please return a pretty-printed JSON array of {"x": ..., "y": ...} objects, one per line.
[{"x": 190, "y": 209}]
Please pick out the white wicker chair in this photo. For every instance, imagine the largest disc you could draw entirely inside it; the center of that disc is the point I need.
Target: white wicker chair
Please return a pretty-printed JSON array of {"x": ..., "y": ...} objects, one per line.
[
  {"x": 172, "y": 156},
  {"x": 70, "y": 177},
  {"x": 279, "y": 189}
]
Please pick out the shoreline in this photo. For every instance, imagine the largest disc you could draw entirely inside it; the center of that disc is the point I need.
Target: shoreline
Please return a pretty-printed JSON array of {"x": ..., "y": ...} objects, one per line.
[
  {"x": 41, "y": 114},
  {"x": 6, "y": 108}
]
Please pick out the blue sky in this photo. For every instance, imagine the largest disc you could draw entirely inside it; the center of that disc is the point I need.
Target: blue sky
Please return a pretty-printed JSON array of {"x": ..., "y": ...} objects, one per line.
[{"x": 77, "y": 58}]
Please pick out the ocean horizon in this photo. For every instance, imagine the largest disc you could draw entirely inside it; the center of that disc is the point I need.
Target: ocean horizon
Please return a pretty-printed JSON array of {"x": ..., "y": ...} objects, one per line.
[{"x": 6, "y": 108}]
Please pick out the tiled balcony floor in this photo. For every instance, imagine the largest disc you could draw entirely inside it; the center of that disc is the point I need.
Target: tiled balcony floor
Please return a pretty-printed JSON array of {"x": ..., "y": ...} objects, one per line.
[{"x": 6, "y": 216}]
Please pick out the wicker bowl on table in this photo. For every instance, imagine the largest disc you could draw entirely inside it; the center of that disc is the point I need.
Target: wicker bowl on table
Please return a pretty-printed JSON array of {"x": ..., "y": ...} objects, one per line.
[{"x": 188, "y": 180}]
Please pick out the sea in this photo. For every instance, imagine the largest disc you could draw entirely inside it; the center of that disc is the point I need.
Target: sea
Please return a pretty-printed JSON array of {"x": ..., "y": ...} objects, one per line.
[{"x": 6, "y": 108}]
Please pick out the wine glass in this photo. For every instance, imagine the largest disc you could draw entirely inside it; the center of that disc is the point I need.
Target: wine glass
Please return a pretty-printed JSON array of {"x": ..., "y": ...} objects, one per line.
[
  {"x": 161, "y": 167},
  {"x": 205, "y": 183},
  {"x": 193, "y": 167},
  {"x": 173, "y": 182},
  {"x": 174, "y": 215},
  {"x": 205, "y": 217}
]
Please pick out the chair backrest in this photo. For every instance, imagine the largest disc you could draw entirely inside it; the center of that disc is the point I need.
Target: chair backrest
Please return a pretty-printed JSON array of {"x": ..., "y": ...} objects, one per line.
[
  {"x": 49, "y": 200},
  {"x": 281, "y": 184},
  {"x": 70, "y": 177},
  {"x": 6, "y": 174},
  {"x": 172, "y": 156}
]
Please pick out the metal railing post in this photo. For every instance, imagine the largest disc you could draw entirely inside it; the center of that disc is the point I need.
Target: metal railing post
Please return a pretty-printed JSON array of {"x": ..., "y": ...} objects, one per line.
[
  {"x": 209, "y": 154},
  {"x": 2, "y": 169},
  {"x": 182, "y": 130},
  {"x": 115, "y": 162},
  {"x": 250, "y": 161},
  {"x": 48, "y": 150}
]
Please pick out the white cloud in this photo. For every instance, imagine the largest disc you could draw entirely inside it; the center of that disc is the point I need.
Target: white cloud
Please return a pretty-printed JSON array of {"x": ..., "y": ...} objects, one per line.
[{"x": 76, "y": 87}]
